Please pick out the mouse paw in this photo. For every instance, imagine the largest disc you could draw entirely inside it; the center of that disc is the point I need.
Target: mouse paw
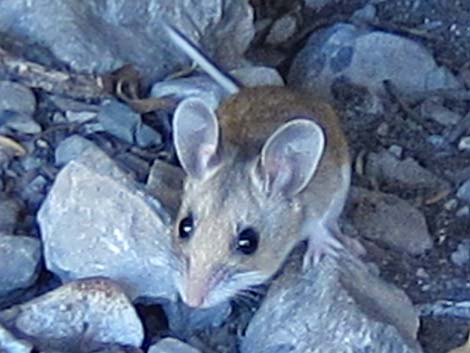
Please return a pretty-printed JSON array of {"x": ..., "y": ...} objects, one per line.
[{"x": 320, "y": 245}]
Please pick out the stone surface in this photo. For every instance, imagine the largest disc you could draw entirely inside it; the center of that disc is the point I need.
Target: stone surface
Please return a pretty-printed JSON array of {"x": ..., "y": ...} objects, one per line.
[
  {"x": 253, "y": 76},
  {"x": 437, "y": 112},
  {"x": 95, "y": 221},
  {"x": 365, "y": 58},
  {"x": 10, "y": 344},
  {"x": 389, "y": 219},
  {"x": 107, "y": 35},
  {"x": 282, "y": 30},
  {"x": 71, "y": 148},
  {"x": 339, "y": 309},
  {"x": 172, "y": 345},
  {"x": 19, "y": 262},
  {"x": 463, "y": 192},
  {"x": 77, "y": 317},
  {"x": 9, "y": 213},
  {"x": 461, "y": 256},
  {"x": 18, "y": 122},
  {"x": 385, "y": 168},
  {"x": 165, "y": 182},
  {"x": 121, "y": 121},
  {"x": 203, "y": 87},
  {"x": 464, "y": 143},
  {"x": 16, "y": 97}
]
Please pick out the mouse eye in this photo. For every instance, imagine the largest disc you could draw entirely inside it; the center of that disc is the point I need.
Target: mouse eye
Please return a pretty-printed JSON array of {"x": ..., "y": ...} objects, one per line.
[
  {"x": 247, "y": 241},
  {"x": 186, "y": 226}
]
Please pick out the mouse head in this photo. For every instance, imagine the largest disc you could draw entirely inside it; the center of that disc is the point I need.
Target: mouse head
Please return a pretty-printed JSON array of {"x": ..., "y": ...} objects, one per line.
[{"x": 240, "y": 216}]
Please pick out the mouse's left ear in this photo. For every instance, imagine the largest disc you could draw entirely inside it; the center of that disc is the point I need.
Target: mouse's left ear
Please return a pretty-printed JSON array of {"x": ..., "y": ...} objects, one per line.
[
  {"x": 290, "y": 157},
  {"x": 196, "y": 137}
]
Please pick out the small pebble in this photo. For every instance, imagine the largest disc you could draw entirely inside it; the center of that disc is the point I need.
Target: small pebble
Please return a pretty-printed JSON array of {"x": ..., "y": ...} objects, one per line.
[
  {"x": 70, "y": 148},
  {"x": 463, "y": 212},
  {"x": 79, "y": 117},
  {"x": 23, "y": 123},
  {"x": 367, "y": 13},
  {"x": 16, "y": 98},
  {"x": 464, "y": 143},
  {"x": 421, "y": 272},
  {"x": 451, "y": 205},
  {"x": 22, "y": 254},
  {"x": 440, "y": 114},
  {"x": 461, "y": 256},
  {"x": 463, "y": 192},
  {"x": 172, "y": 345},
  {"x": 9, "y": 213},
  {"x": 282, "y": 30},
  {"x": 382, "y": 130},
  {"x": 396, "y": 150}
]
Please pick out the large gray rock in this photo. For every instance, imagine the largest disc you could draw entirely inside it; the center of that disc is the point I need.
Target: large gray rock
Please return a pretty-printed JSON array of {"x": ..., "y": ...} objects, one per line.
[
  {"x": 327, "y": 309},
  {"x": 96, "y": 222},
  {"x": 390, "y": 220},
  {"x": 77, "y": 317},
  {"x": 97, "y": 36},
  {"x": 19, "y": 262},
  {"x": 366, "y": 58}
]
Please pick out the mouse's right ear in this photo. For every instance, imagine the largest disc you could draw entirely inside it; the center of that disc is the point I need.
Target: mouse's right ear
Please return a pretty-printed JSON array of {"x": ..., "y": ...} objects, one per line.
[{"x": 196, "y": 137}]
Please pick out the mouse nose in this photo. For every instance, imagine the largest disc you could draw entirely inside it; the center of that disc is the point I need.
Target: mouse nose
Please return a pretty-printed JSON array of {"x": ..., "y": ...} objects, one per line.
[{"x": 195, "y": 292}]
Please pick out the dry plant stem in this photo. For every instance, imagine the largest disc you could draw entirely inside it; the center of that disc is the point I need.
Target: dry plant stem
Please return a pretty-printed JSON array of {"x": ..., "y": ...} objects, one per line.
[
  {"x": 393, "y": 91},
  {"x": 77, "y": 86}
]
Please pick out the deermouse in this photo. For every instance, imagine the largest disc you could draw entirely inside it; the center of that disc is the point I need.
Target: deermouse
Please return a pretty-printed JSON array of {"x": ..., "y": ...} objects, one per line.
[{"x": 266, "y": 170}]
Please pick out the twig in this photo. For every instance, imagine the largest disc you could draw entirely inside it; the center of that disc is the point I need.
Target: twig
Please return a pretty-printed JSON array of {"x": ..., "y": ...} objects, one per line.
[
  {"x": 77, "y": 86},
  {"x": 393, "y": 91}
]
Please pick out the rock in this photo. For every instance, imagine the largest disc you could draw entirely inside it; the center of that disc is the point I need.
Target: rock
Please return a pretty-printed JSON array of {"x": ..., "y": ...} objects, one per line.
[
  {"x": 340, "y": 309},
  {"x": 9, "y": 213},
  {"x": 389, "y": 219},
  {"x": 17, "y": 98},
  {"x": 252, "y": 76},
  {"x": 19, "y": 262},
  {"x": 35, "y": 191},
  {"x": 10, "y": 344},
  {"x": 367, "y": 13},
  {"x": 463, "y": 212},
  {"x": 186, "y": 320},
  {"x": 282, "y": 30},
  {"x": 165, "y": 182},
  {"x": 396, "y": 150},
  {"x": 385, "y": 168},
  {"x": 172, "y": 345},
  {"x": 108, "y": 35},
  {"x": 71, "y": 148},
  {"x": 463, "y": 193},
  {"x": 461, "y": 256},
  {"x": 437, "y": 112},
  {"x": 203, "y": 87},
  {"x": 18, "y": 122},
  {"x": 464, "y": 143},
  {"x": 95, "y": 221},
  {"x": 121, "y": 121},
  {"x": 79, "y": 117},
  {"x": 77, "y": 317},
  {"x": 345, "y": 53}
]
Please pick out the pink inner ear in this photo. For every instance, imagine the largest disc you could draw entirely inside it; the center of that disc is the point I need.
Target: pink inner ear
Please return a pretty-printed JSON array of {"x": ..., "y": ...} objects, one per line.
[
  {"x": 206, "y": 152},
  {"x": 278, "y": 174}
]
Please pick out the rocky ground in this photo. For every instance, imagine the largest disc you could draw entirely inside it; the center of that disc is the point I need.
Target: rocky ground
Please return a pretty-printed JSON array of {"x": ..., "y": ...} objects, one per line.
[{"x": 89, "y": 181}]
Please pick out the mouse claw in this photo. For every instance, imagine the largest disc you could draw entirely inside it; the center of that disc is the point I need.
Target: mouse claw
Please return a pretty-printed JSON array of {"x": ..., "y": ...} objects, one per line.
[{"x": 319, "y": 247}]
